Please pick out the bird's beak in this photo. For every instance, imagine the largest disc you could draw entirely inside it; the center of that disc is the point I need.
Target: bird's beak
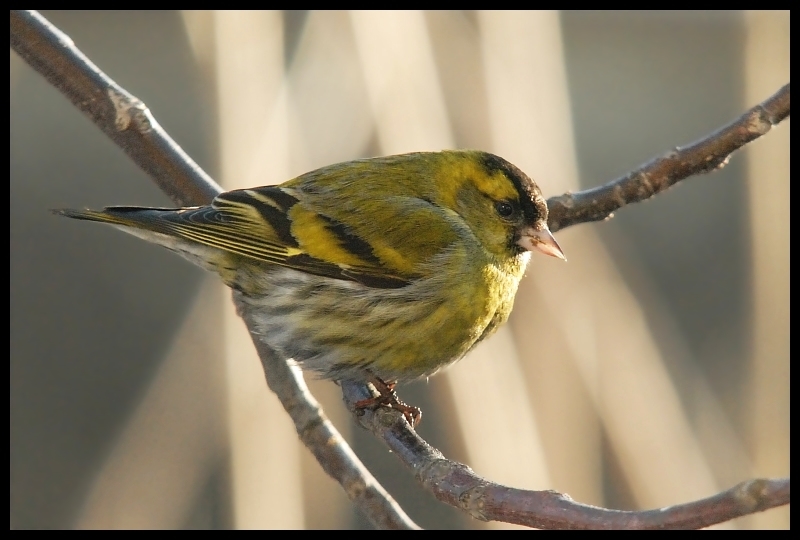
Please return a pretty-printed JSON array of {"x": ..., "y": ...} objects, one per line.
[{"x": 541, "y": 241}]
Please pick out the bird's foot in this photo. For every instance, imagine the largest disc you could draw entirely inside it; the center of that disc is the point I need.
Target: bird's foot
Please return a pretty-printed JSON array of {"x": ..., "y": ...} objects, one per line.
[{"x": 387, "y": 397}]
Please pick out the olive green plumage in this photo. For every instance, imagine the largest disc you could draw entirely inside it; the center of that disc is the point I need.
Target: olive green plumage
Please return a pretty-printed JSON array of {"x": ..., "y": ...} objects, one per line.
[{"x": 391, "y": 267}]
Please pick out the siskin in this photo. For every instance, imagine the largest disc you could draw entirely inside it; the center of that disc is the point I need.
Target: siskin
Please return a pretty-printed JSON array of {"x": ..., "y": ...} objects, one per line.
[{"x": 377, "y": 270}]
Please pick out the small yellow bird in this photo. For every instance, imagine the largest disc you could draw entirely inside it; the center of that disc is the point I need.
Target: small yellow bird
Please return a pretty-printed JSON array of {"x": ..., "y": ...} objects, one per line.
[{"x": 378, "y": 270}]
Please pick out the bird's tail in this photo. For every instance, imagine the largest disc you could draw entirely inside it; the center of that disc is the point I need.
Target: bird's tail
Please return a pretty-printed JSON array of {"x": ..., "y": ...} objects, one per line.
[
  {"x": 161, "y": 226},
  {"x": 124, "y": 216}
]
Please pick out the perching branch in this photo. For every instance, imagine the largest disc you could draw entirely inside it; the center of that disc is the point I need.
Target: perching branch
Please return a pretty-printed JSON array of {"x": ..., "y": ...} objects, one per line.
[
  {"x": 456, "y": 484},
  {"x": 128, "y": 122}
]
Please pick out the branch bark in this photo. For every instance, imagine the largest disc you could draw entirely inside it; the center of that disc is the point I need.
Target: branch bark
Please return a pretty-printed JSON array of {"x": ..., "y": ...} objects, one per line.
[
  {"x": 457, "y": 485},
  {"x": 123, "y": 117},
  {"x": 128, "y": 122},
  {"x": 659, "y": 174}
]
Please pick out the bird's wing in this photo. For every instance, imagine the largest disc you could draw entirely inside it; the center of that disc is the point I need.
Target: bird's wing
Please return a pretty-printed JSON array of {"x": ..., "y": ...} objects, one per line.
[{"x": 270, "y": 224}]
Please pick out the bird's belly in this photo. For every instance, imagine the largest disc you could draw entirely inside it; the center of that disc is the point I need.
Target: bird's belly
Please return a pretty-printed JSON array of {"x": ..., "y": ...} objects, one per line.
[{"x": 344, "y": 330}]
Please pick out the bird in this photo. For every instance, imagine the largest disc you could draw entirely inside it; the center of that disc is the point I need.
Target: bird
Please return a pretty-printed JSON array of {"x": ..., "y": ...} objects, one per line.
[{"x": 380, "y": 270}]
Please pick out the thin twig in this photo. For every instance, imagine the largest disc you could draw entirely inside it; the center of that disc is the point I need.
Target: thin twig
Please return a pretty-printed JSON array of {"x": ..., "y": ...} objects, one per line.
[
  {"x": 706, "y": 155},
  {"x": 115, "y": 111},
  {"x": 456, "y": 484},
  {"x": 129, "y": 123}
]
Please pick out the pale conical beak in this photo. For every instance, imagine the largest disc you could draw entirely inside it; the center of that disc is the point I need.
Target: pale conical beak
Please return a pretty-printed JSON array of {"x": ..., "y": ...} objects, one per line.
[{"x": 541, "y": 241}]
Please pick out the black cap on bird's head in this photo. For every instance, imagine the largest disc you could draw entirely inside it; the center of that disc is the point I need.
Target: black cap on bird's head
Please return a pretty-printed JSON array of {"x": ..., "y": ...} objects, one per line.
[{"x": 534, "y": 233}]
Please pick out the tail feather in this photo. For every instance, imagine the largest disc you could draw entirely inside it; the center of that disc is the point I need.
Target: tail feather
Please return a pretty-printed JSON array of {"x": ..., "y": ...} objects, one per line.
[
  {"x": 159, "y": 226},
  {"x": 127, "y": 216}
]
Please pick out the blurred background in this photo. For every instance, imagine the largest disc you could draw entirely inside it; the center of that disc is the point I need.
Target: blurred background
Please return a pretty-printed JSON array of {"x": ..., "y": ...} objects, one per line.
[{"x": 651, "y": 369}]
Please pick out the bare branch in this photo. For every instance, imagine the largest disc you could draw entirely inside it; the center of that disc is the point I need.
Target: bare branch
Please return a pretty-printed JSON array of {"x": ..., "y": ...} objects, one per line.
[
  {"x": 123, "y": 117},
  {"x": 456, "y": 484},
  {"x": 129, "y": 123},
  {"x": 708, "y": 154}
]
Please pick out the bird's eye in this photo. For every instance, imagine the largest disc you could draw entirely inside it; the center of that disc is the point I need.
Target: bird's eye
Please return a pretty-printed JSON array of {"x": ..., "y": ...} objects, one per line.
[{"x": 504, "y": 208}]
